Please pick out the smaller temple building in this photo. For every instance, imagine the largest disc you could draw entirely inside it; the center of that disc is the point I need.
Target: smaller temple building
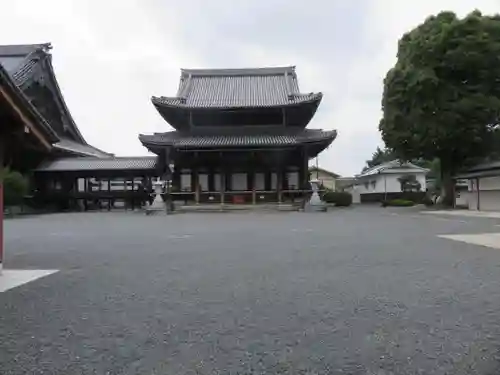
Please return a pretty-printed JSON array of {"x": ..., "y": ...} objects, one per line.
[{"x": 240, "y": 135}]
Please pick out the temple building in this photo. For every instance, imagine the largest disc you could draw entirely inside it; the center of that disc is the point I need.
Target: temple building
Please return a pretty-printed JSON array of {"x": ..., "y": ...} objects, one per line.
[{"x": 240, "y": 135}]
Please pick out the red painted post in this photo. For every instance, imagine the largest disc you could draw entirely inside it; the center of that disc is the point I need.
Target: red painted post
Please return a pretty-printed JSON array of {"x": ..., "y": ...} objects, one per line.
[{"x": 1, "y": 226}]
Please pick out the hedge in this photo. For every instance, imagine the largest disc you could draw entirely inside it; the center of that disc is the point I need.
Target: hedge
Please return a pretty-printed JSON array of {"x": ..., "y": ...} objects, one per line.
[
  {"x": 398, "y": 203},
  {"x": 340, "y": 199}
]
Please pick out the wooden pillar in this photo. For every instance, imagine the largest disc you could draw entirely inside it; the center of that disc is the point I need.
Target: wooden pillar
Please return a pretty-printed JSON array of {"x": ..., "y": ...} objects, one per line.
[
  {"x": 478, "y": 195},
  {"x": 109, "y": 192},
  {"x": 254, "y": 192},
  {"x": 279, "y": 180},
  {"x": 196, "y": 181},
  {"x": 304, "y": 181},
  {"x": 222, "y": 177}
]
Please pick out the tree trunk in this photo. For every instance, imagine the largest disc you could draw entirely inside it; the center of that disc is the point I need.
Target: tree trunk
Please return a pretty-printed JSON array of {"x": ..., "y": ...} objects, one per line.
[{"x": 447, "y": 186}]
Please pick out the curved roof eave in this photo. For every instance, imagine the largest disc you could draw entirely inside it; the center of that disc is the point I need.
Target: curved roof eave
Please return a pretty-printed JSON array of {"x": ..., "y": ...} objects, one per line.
[
  {"x": 178, "y": 103},
  {"x": 314, "y": 138}
]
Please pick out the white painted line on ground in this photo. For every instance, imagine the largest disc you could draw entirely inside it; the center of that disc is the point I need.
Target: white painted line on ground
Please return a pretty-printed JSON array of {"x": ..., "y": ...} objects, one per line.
[
  {"x": 13, "y": 278},
  {"x": 441, "y": 218},
  {"x": 179, "y": 236},
  {"x": 468, "y": 213},
  {"x": 482, "y": 239}
]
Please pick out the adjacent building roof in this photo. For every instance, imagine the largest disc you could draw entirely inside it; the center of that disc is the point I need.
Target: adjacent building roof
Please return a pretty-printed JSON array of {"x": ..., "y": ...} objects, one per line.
[
  {"x": 325, "y": 171},
  {"x": 94, "y": 164},
  {"x": 393, "y": 166},
  {"x": 12, "y": 56},
  {"x": 487, "y": 169},
  {"x": 29, "y": 113},
  {"x": 237, "y": 88},
  {"x": 289, "y": 138},
  {"x": 31, "y": 63},
  {"x": 66, "y": 144}
]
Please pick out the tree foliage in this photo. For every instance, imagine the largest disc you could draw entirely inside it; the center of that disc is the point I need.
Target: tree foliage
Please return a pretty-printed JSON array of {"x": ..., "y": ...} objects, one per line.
[
  {"x": 15, "y": 187},
  {"x": 379, "y": 156},
  {"x": 442, "y": 98}
]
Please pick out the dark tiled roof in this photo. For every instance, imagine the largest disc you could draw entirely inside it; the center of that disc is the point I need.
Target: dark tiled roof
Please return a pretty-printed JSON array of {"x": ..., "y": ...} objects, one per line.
[
  {"x": 33, "y": 62},
  {"x": 242, "y": 140},
  {"x": 21, "y": 49},
  {"x": 486, "y": 169},
  {"x": 237, "y": 88},
  {"x": 486, "y": 166},
  {"x": 66, "y": 144},
  {"x": 12, "y": 56},
  {"x": 31, "y": 65},
  {"x": 30, "y": 110},
  {"x": 92, "y": 164}
]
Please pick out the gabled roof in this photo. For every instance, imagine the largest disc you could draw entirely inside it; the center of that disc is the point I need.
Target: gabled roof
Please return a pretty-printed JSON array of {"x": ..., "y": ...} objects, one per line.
[
  {"x": 25, "y": 110},
  {"x": 36, "y": 65},
  {"x": 237, "y": 88},
  {"x": 325, "y": 171},
  {"x": 29, "y": 63},
  {"x": 93, "y": 164},
  {"x": 393, "y": 166}
]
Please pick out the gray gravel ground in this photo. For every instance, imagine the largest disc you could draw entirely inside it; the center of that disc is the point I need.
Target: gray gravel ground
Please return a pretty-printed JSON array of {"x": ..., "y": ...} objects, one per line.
[{"x": 354, "y": 291}]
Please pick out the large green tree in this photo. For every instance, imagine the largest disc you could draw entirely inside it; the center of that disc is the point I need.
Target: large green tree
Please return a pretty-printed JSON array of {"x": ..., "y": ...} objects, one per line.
[
  {"x": 379, "y": 156},
  {"x": 442, "y": 98}
]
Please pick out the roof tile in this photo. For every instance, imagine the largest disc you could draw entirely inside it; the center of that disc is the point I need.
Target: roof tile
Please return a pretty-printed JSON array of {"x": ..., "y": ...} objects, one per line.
[
  {"x": 188, "y": 141},
  {"x": 224, "y": 88},
  {"x": 78, "y": 148},
  {"x": 91, "y": 164}
]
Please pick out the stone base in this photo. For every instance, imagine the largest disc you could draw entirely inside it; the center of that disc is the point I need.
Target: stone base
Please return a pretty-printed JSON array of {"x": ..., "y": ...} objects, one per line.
[
  {"x": 315, "y": 207},
  {"x": 315, "y": 204}
]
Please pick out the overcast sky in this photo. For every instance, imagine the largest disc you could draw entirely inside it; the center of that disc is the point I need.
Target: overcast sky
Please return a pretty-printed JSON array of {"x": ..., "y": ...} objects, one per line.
[{"x": 111, "y": 56}]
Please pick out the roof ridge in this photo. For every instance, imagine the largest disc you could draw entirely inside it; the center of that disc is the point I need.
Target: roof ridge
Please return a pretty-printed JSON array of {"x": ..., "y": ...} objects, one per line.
[
  {"x": 239, "y": 71},
  {"x": 22, "y": 49}
]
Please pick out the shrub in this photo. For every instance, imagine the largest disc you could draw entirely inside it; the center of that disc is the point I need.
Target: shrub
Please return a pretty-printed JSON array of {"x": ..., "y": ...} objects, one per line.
[
  {"x": 340, "y": 199},
  {"x": 15, "y": 187},
  {"x": 398, "y": 203},
  {"x": 427, "y": 201}
]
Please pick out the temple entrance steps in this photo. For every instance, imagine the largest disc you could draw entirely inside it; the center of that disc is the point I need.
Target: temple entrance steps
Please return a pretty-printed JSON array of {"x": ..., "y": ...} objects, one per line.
[{"x": 217, "y": 207}]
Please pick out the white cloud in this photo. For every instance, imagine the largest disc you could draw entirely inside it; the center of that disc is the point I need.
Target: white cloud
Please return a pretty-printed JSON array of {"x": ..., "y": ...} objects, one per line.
[{"x": 111, "y": 56}]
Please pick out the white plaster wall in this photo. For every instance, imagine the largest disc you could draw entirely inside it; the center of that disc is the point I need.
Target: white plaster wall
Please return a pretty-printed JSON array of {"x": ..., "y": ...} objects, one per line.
[
  {"x": 489, "y": 194},
  {"x": 260, "y": 181},
  {"x": 186, "y": 182},
  {"x": 463, "y": 197},
  {"x": 489, "y": 183},
  {"x": 203, "y": 181},
  {"x": 489, "y": 200},
  {"x": 217, "y": 181},
  {"x": 274, "y": 181},
  {"x": 327, "y": 180},
  {"x": 385, "y": 181},
  {"x": 293, "y": 180},
  {"x": 239, "y": 181}
]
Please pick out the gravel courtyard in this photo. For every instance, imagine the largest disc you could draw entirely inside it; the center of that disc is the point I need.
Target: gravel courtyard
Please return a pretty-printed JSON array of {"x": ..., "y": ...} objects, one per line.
[{"x": 356, "y": 291}]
